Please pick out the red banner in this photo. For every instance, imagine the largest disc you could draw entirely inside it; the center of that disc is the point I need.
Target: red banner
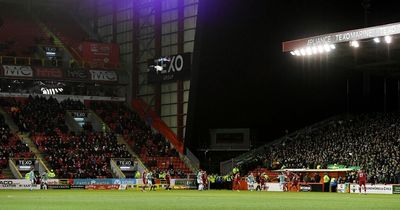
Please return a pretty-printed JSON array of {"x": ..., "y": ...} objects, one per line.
[
  {"x": 42, "y": 72},
  {"x": 98, "y": 55},
  {"x": 102, "y": 187}
]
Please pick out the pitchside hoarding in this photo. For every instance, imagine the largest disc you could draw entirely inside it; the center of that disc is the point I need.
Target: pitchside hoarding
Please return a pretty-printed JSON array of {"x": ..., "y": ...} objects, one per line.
[
  {"x": 103, "y": 181},
  {"x": 16, "y": 184},
  {"x": 170, "y": 68},
  {"x": 396, "y": 189},
  {"x": 373, "y": 189}
]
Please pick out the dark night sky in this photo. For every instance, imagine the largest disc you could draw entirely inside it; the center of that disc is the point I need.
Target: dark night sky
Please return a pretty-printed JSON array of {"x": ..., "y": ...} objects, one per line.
[{"x": 242, "y": 79}]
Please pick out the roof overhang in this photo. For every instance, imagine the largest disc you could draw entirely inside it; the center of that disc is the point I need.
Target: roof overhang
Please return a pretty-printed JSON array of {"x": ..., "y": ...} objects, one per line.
[{"x": 344, "y": 36}]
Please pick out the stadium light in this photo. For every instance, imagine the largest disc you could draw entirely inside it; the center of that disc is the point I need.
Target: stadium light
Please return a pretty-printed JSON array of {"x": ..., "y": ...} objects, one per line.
[
  {"x": 308, "y": 51},
  {"x": 320, "y": 49},
  {"x": 377, "y": 40},
  {"x": 354, "y": 44},
  {"x": 327, "y": 48},
  {"x": 313, "y": 50},
  {"x": 302, "y": 51},
  {"x": 388, "y": 39}
]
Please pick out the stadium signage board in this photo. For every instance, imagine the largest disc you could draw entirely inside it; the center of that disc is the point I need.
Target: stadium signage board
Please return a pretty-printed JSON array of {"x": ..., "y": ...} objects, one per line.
[
  {"x": 184, "y": 183},
  {"x": 103, "y": 181},
  {"x": 230, "y": 138},
  {"x": 305, "y": 188},
  {"x": 396, "y": 189},
  {"x": 101, "y": 75},
  {"x": 16, "y": 184},
  {"x": 81, "y": 114},
  {"x": 62, "y": 187},
  {"x": 25, "y": 164},
  {"x": 345, "y": 36},
  {"x": 170, "y": 68},
  {"x": 375, "y": 189},
  {"x": 125, "y": 162},
  {"x": 102, "y": 187},
  {"x": 17, "y": 71},
  {"x": 43, "y": 72},
  {"x": 273, "y": 187},
  {"x": 77, "y": 74},
  {"x": 98, "y": 54}
]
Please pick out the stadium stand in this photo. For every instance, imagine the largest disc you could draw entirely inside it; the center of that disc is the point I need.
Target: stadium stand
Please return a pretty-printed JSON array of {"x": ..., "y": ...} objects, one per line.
[
  {"x": 81, "y": 156},
  {"x": 11, "y": 145},
  {"x": 370, "y": 141},
  {"x": 154, "y": 150},
  {"x": 86, "y": 155},
  {"x": 38, "y": 115}
]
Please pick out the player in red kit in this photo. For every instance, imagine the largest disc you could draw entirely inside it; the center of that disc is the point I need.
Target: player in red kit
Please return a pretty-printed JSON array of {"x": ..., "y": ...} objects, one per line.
[
  {"x": 168, "y": 181},
  {"x": 236, "y": 181},
  {"x": 295, "y": 181},
  {"x": 204, "y": 178},
  {"x": 362, "y": 180},
  {"x": 144, "y": 175}
]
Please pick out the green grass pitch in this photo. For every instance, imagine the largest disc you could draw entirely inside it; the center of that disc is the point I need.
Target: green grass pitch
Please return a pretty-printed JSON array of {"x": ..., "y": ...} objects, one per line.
[{"x": 182, "y": 199}]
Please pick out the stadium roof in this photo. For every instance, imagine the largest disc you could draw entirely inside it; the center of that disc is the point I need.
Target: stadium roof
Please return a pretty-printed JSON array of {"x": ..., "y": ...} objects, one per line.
[{"x": 368, "y": 49}]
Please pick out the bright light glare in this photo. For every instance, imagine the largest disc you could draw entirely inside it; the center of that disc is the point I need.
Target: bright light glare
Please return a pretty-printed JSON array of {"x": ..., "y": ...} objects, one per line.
[
  {"x": 354, "y": 44},
  {"x": 327, "y": 48},
  {"x": 377, "y": 40},
  {"x": 388, "y": 39},
  {"x": 308, "y": 51},
  {"x": 314, "y": 50},
  {"x": 320, "y": 49},
  {"x": 302, "y": 51}
]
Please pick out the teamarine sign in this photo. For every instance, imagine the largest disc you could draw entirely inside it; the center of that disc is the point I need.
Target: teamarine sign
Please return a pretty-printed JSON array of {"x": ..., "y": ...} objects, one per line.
[
  {"x": 345, "y": 36},
  {"x": 17, "y": 71}
]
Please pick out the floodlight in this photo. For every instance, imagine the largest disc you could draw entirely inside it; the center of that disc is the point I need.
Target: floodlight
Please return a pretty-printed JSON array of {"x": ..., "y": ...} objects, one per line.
[{"x": 388, "y": 39}]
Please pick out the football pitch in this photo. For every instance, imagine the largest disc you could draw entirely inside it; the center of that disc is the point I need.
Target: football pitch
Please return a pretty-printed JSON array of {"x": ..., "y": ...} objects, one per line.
[{"x": 181, "y": 199}]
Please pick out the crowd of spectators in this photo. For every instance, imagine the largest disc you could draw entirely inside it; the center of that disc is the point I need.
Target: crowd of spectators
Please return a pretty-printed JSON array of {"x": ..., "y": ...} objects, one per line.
[
  {"x": 10, "y": 145},
  {"x": 81, "y": 156},
  {"x": 39, "y": 115},
  {"x": 151, "y": 146},
  {"x": 85, "y": 155},
  {"x": 369, "y": 141}
]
